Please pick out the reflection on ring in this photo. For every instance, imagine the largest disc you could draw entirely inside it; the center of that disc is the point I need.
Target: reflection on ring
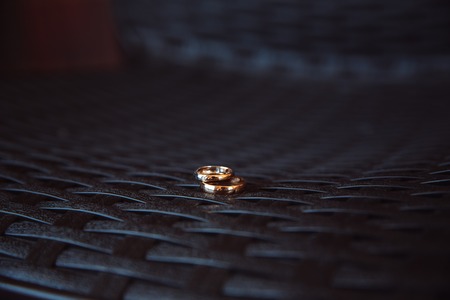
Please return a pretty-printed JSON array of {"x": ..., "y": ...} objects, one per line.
[
  {"x": 234, "y": 185},
  {"x": 213, "y": 173}
]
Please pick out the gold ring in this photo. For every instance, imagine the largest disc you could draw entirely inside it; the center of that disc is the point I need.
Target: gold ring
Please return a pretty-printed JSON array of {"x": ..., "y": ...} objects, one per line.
[
  {"x": 213, "y": 173},
  {"x": 234, "y": 185}
]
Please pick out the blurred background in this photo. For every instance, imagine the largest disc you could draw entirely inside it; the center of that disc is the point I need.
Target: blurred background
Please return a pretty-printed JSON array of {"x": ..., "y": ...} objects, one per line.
[
  {"x": 309, "y": 39},
  {"x": 281, "y": 84}
]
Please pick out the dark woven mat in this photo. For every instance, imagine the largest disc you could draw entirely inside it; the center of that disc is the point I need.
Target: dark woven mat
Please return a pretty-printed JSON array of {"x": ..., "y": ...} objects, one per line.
[{"x": 348, "y": 194}]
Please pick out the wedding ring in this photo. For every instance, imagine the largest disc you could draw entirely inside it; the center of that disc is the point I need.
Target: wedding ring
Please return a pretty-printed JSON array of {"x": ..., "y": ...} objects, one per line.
[
  {"x": 234, "y": 185},
  {"x": 213, "y": 173}
]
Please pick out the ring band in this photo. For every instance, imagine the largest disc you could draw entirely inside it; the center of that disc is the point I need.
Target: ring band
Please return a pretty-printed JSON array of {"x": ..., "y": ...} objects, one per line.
[
  {"x": 213, "y": 173},
  {"x": 234, "y": 185}
]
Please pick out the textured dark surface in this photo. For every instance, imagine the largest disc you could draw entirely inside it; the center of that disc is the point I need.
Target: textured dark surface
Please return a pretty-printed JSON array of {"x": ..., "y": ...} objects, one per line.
[{"x": 348, "y": 194}]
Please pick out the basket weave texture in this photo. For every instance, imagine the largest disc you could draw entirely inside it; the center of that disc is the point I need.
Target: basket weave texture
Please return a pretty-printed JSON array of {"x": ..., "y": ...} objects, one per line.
[{"x": 347, "y": 198}]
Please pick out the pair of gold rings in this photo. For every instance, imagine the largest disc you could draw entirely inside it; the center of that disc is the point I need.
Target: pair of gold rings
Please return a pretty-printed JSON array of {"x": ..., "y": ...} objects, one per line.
[{"x": 219, "y": 180}]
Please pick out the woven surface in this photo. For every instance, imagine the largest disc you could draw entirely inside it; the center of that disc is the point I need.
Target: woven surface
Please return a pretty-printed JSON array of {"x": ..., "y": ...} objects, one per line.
[{"x": 348, "y": 194}]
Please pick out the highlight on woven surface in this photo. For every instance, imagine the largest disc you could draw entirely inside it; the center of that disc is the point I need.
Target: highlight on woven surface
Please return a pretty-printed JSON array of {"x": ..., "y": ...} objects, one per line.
[{"x": 347, "y": 196}]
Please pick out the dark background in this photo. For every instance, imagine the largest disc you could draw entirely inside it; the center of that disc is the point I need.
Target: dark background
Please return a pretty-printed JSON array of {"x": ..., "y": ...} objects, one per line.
[{"x": 336, "y": 114}]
